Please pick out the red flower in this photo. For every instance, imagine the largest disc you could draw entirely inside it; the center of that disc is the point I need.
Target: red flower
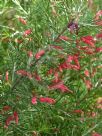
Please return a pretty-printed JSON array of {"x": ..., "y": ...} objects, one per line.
[
  {"x": 83, "y": 48},
  {"x": 15, "y": 114},
  {"x": 76, "y": 61},
  {"x": 50, "y": 71},
  {"x": 99, "y": 49},
  {"x": 30, "y": 54},
  {"x": 6, "y": 108},
  {"x": 56, "y": 47},
  {"x": 98, "y": 14},
  {"x": 24, "y": 73},
  {"x": 69, "y": 59},
  {"x": 88, "y": 40},
  {"x": 27, "y": 32},
  {"x": 87, "y": 50},
  {"x": 97, "y": 18},
  {"x": 59, "y": 85},
  {"x": 36, "y": 76},
  {"x": 67, "y": 65},
  {"x": 86, "y": 72},
  {"x": 64, "y": 38},
  {"x": 73, "y": 58},
  {"x": 75, "y": 67},
  {"x": 9, "y": 119},
  {"x": 78, "y": 111},
  {"x": 14, "y": 117},
  {"x": 64, "y": 65},
  {"x": 60, "y": 68},
  {"x": 34, "y": 100},
  {"x": 56, "y": 77},
  {"x": 96, "y": 134},
  {"x": 39, "y": 54},
  {"x": 22, "y": 21},
  {"x": 6, "y": 76},
  {"x": 47, "y": 100},
  {"x": 88, "y": 84},
  {"x": 99, "y": 35},
  {"x": 99, "y": 23}
]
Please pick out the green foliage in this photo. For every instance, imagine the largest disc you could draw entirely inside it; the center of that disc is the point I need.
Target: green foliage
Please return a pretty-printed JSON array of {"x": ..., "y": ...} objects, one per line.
[{"x": 75, "y": 112}]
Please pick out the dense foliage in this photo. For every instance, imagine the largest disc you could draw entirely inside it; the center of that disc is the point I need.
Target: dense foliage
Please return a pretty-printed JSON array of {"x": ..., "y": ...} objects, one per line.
[{"x": 50, "y": 68}]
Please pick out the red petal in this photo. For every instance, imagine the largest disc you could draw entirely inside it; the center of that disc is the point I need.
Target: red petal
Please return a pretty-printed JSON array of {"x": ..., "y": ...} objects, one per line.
[
  {"x": 59, "y": 86},
  {"x": 6, "y": 76},
  {"x": 75, "y": 58},
  {"x": 37, "y": 77},
  {"x": 8, "y": 120},
  {"x": 30, "y": 54},
  {"x": 96, "y": 134},
  {"x": 22, "y": 21},
  {"x": 6, "y": 108},
  {"x": 65, "y": 38},
  {"x": 88, "y": 41},
  {"x": 75, "y": 67},
  {"x": 86, "y": 72},
  {"x": 89, "y": 51},
  {"x": 98, "y": 14},
  {"x": 88, "y": 37},
  {"x": 69, "y": 59},
  {"x": 22, "y": 72},
  {"x": 15, "y": 114},
  {"x": 99, "y": 49},
  {"x": 78, "y": 111},
  {"x": 60, "y": 68},
  {"x": 50, "y": 71},
  {"x": 47, "y": 100},
  {"x": 27, "y": 32},
  {"x": 88, "y": 84},
  {"x": 34, "y": 100},
  {"x": 39, "y": 54},
  {"x": 99, "y": 23},
  {"x": 99, "y": 35},
  {"x": 56, "y": 79},
  {"x": 56, "y": 47}
]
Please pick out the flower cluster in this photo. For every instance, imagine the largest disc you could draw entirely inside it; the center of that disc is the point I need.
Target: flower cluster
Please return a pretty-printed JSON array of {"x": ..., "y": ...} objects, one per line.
[{"x": 43, "y": 100}]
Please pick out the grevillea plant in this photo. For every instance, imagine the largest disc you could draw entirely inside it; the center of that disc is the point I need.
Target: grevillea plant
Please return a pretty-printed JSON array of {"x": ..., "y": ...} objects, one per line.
[{"x": 52, "y": 74}]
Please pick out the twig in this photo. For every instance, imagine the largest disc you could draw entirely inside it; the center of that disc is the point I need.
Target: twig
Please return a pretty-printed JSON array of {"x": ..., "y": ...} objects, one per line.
[{"x": 64, "y": 29}]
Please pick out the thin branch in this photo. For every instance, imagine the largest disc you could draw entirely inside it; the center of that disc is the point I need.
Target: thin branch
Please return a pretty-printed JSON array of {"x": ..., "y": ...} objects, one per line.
[{"x": 64, "y": 29}]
